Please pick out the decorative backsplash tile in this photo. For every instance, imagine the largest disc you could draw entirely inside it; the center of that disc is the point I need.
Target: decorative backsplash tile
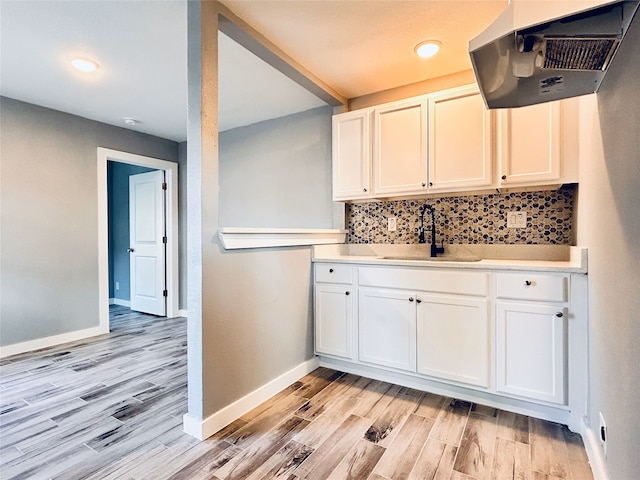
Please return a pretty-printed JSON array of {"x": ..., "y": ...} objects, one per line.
[{"x": 470, "y": 219}]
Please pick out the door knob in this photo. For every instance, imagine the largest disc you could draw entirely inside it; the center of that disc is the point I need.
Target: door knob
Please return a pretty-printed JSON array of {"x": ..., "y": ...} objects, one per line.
[{"x": 130, "y": 250}]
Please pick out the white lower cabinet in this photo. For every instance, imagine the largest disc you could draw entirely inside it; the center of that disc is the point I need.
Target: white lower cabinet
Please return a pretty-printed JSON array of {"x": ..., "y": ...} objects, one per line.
[
  {"x": 506, "y": 334},
  {"x": 531, "y": 317},
  {"x": 387, "y": 328},
  {"x": 334, "y": 295},
  {"x": 530, "y": 350},
  {"x": 453, "y": 338},
  {"x": 334, "y": 320}
]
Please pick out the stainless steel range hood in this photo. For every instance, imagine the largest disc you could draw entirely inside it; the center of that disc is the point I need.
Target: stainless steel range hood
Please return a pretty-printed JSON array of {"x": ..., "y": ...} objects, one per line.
[{"x": 538, "y": 50}]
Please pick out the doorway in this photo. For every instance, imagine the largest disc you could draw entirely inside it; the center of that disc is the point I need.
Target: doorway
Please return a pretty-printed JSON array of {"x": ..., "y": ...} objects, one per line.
[
  {"x": 171, "y": 178},
  {"x": 137, "y": 226}
]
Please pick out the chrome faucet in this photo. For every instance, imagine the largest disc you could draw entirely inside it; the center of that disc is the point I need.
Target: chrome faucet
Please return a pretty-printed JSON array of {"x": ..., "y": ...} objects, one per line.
[{"x": 435, "y": 250}]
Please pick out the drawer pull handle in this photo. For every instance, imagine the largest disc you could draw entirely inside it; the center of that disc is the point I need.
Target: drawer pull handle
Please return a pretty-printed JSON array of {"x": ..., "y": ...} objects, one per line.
[
  {"x": 528, "y": 283},
  {"x": 411, "y": 299},
  {"x": 347, "y": 292},
  {"x": 559, "y": 314},
  {"x": 331, "y": 270}
]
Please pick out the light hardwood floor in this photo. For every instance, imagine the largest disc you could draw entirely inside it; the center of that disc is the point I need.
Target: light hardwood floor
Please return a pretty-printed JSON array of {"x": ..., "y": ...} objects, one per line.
[{"x": 112, "y": 407}]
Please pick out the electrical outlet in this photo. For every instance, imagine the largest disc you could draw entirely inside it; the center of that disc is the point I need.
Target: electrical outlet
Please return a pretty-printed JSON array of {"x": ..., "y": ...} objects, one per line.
[
  {"x": 117, "y": 285},
  {"x": 392, "y": 223},
  {"x": 517, "y": 219},
  {"x": 602, "y": 433}
]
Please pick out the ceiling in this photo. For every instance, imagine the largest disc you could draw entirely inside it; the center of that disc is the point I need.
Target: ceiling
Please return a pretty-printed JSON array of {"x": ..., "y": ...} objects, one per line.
[{"x": 356, "y": 47}]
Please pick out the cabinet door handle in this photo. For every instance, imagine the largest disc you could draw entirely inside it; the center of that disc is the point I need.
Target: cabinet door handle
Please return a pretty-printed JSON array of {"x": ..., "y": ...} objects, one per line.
[
  {"x": 559, "y": 314},
  {"x": 331, "y": 270},
  {"x": 504, "y": 177},
  {"x": 364, "y": 189},
  {"x": 347, "y": 292},
  {"x": 528, "y": 283},
  {"x": 411, "y": 299},
  {"x": 424, "y": 184},
  {"x": 418, "y": 300},
  {"x": 431, "y": 184}
]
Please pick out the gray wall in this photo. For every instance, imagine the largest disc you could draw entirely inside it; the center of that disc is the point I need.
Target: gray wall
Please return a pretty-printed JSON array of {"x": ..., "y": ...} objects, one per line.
[
  {"x": 609, "y": 224},
  {"x": 49, "y": 229},
  {"x": 278, "y": 173},
  {"x": 250, "y": 317},
  {"x": 118, "y": 194}
]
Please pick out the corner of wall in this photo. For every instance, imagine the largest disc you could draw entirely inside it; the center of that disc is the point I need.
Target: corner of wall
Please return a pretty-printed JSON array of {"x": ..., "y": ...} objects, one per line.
[{"x": 202, "y": 429}]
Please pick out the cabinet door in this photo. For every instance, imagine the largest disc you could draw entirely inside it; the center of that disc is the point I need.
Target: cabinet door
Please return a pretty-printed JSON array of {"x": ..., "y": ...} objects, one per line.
[
  {"x": 529, "y": 144},
  {"x": 459, "y": 141},
  {"x": 351, "y": 155},
  {"x": 530, "y": 350},
  {"x": 387, "y": 328},
  {"x": 453, "y": 338},
  {"x": 400, "y": 148},
  {"x": 334, "y": 320}
]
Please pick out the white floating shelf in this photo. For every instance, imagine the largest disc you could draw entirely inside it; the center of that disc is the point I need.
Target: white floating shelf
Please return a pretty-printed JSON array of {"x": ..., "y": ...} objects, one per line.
[{"x": 242, "y": 237}]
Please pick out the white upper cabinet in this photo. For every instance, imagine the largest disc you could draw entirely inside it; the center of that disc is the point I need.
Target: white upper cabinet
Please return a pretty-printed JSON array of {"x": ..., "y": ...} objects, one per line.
[
  {"x": 400, "y": 148},
  {"x": 460, "y": 153},
  {"x": 352, "y": 155},
  {"x": 538, "y": 145},
  {"x": 449, "y": 142},
  {"x": 529, "y": 141}
]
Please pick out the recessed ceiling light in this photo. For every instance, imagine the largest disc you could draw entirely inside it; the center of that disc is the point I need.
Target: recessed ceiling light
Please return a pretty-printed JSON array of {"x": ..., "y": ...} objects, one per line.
[
  {"x": 84, "y": 65},
  {"x": 428, "y": 49},
  {"x": 130, "y": 121}
]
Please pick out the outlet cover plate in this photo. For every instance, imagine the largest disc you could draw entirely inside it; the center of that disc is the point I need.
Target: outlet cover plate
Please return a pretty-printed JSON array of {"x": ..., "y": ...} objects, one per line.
[
  {"x": 517, "y": 219},
  {"x": 392, "y": 223}
]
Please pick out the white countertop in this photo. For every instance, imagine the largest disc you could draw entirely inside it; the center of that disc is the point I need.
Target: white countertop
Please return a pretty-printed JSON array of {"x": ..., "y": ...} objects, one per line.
[{"x": 540, "y": 258}]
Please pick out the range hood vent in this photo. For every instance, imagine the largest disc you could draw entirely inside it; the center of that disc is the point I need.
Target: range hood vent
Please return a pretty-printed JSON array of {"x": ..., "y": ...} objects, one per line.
[
  {"x": 579, "y": 53},
  {"x": 525, "y": 57}
]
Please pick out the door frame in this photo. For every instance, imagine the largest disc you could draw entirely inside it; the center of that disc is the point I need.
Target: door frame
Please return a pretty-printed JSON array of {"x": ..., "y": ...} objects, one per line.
[{"x": 172, "y": 272}]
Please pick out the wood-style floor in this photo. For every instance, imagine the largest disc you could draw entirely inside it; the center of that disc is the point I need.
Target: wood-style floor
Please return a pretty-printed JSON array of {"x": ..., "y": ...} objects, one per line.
[{"x": 112, "y": 408}]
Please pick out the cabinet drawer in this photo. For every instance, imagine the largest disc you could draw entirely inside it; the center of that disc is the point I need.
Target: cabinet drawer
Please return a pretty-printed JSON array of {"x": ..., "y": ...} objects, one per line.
[
  {"x": 333, "y": 273},
  {"x": 434, "y": 280},
  {"x": 532, "y": 286}
]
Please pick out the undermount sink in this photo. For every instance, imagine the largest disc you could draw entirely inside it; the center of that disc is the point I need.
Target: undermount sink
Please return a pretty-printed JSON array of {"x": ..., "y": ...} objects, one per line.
[{"x": 422, "y": 258}]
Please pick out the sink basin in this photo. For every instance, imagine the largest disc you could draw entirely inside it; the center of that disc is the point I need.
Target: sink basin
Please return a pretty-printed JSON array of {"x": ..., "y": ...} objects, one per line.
[{"x": 444, "y": 258}]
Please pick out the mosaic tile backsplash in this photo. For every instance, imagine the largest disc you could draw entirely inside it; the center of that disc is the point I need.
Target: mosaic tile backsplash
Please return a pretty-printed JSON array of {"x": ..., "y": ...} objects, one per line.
[{"x": 470, "y": 219}]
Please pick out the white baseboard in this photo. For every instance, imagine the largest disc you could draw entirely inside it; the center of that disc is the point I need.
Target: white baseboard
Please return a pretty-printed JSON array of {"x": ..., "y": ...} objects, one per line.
[
  {"x": 202, "y": 429},
  {"x": 52, "y": 341},
  {"x": 595, "y": 454},
  {"x": 182, "y": 312},
  {"x": 117, "y": 301}
]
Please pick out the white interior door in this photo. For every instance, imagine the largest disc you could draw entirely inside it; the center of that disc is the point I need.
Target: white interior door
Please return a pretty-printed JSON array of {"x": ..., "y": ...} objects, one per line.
[{"x": 146, "y": 242}]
